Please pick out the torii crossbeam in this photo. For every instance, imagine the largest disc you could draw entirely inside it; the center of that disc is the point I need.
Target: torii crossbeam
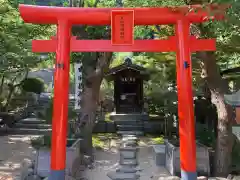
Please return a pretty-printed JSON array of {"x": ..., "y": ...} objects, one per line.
[{"x": 122, "y": 21}]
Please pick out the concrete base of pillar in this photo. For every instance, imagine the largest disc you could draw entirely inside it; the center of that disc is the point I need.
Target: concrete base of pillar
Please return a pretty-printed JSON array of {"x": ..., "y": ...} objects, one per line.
[
  {"x": 188, "y": 175},
  {"x": 57, "y": 175}
]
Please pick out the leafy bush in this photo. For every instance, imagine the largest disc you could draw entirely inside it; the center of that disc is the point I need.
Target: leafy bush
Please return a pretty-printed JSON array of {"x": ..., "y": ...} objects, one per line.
[
  {"x": 34, "y": 85},
  {"x": 205, "y": 136},
  {"x": 158, "y": 140},
  {"x": 44, "y": 141},
  {"x": 49, "y": 112},
  {"x": 107, "y": 118},
  {"x": 97, "y": 142}
]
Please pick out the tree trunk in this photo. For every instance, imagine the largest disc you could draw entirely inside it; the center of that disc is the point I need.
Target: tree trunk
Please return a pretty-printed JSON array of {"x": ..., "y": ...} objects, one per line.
[
  {"x": 217, "y": 86},
  {"x": 87, "y": 119},
  {"x": 90, "y": 101},
  {"x": 9, "y": 97},
  {"x": 92, "y": 85},
  {"x": 1, "y": 84}
]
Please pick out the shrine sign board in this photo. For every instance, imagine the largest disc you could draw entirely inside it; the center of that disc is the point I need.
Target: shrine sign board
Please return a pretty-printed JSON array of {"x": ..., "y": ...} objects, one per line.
[{"x": 122, "y": 24}]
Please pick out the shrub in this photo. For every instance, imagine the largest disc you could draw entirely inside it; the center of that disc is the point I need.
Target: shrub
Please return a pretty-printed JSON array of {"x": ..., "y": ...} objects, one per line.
[
  {"x": 158, "y": 140},
  {"x": 34, "y": 85}
]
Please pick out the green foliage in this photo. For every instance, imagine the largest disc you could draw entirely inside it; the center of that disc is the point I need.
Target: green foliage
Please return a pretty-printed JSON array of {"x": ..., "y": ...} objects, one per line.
[
  {"x": 46, "y": 141},
  {"x": 43, "y": 141},
  {"x": 158, "y": 140},
  {"x": 205, "y": 135},
  {"x": 107, "y": 117},
  {"x": 16, "y": 58},
  {"x": 33, "y": 85},
  {"x": 15, "y": 39},
  {"x": 97, "y": 142},
  {"x": 49, "y": 112}
]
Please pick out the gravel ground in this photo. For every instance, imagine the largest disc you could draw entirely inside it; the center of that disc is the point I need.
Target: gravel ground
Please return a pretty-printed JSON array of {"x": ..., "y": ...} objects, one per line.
[
  {"x": 14, "y": 149},
  {"x": 107, "y": 161}
]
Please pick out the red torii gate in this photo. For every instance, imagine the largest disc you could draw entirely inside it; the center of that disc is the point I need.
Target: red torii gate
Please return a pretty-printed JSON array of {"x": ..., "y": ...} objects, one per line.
[{"x": 122, "y": 21}]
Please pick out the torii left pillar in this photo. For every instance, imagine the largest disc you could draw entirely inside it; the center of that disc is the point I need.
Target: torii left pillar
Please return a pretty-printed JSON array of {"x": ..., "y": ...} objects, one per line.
[{"x": 61, "y": 96}]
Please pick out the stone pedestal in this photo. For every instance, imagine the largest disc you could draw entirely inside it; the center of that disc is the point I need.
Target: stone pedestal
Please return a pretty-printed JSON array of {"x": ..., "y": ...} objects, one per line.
[
  {"x": 172, "y": 152},
  {"x": 128, "y": 160},
  {"x": 129, "y": 126},
  {"x": 159, "y": 152}
]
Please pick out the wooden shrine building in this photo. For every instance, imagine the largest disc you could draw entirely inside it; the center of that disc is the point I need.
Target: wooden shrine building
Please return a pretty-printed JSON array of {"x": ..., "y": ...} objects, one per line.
[{"x": 128, "y": 86}]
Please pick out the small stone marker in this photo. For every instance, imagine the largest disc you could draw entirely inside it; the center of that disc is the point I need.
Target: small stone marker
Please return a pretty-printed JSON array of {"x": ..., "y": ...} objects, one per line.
[{"x": 159, "y": 154}]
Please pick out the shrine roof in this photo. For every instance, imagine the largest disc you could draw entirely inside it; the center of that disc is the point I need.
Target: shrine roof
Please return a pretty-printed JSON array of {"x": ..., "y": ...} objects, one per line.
[{"x": 127, "y": 65}]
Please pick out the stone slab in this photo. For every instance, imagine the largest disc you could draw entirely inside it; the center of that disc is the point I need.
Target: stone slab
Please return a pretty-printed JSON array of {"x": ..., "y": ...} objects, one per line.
[
  {"x": 129, "y": 127},
  {"x": 159, "y": 152},
  {"x": 122, "y": 176},
  {"x": 128, "y": 154},
  {"x": 129, "y": 162},
  {"x": 43, "y": 159},
  {"x": 128, "y": 137},
  {"x": 126, "y": 169},
  {"x": 128, "y": 148},
  {"x": 127, "y": 117},
  {"x": 138, "y": 133}
]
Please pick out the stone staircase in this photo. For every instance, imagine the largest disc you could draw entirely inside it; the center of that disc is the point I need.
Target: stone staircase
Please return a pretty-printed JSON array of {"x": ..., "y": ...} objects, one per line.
[
  {"x": 132, "y": 124},
  {"x": 30, "y": 126},
  {"x": 129, "y": 126},
  {"x": 33, "y": 125}
]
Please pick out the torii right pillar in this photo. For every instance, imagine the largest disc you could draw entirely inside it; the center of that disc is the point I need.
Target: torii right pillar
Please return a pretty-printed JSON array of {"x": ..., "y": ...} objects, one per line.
[{"x": 185, "y": 102}]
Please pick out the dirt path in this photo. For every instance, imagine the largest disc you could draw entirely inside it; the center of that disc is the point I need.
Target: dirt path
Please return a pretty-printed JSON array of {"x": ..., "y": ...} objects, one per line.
[{"x": 13, "y": 150}]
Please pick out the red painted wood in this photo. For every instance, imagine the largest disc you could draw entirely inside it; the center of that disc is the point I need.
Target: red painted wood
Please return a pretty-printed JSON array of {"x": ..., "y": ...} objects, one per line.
[
  {"x": 122, "y": 27},
  {"x": 61, "y": 89},
  {"x": 138, "y": 46},
  {"x": 102, "y": 16},
  {"x": 185, "y": 97}
]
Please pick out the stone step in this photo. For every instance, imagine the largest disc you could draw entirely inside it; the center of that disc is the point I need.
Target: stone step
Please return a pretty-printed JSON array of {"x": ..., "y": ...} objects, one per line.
[
  {"x": 137, "y": 133},
  {"x": 123, "y": 176},
  {"x": 129, "y": 127},
  {"x": 129, "y": 122},
  {"x": 128, "y": 154},
  {"x": 128, "y": 162},
  {"x": 27, "y": 131},
  {"x": 32, "y": 126},
  {"x": 129, "y": 143},
  {"x": 129, "y": 137},
  {"x": 126, "y": 169},
  {"x": 32, "y": 121},
  {"x": 127, "y": 117},
  {"x": 128, "y": 148}
]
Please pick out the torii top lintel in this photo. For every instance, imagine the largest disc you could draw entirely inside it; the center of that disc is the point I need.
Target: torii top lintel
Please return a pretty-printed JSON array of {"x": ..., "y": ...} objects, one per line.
[{"x": 102, "y": 16}]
